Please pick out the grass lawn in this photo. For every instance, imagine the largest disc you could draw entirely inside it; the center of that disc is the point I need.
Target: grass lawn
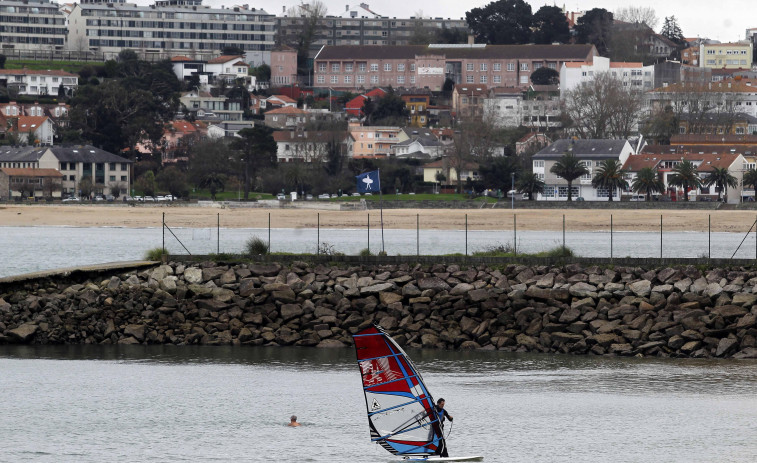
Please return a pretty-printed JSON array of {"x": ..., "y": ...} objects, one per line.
[
  {"x": 419, "y": 197},
  {"x": 68, "y": 66},
  {"x": 229, "y": 195}
]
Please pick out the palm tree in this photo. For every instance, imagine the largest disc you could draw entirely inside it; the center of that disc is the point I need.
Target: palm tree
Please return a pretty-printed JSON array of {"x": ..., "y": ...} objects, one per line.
[
  {"x": 530, "y": 183},
  {"x": 750, "y": 178},
  {"x": 213, "y": 182},
  {"x": 647, "y": 182},
  {"x": 686, "y": 176},
  {"x": 569, "y": 168},
  {"x": 721, "y": 178},
  {"x": 610, "y": 175}
]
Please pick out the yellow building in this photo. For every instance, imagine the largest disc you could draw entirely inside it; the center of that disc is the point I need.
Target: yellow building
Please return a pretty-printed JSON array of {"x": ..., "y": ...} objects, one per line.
[{"x": 725, "y": 55}]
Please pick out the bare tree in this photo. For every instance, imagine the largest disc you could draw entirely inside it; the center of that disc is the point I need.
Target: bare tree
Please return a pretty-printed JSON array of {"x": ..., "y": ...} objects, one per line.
[
  {"x": 603, "y": 108},
  {"x": 637, "y": 14},
  {"x": 50, "y": 185},
  {"x": 302, "y": 33}
]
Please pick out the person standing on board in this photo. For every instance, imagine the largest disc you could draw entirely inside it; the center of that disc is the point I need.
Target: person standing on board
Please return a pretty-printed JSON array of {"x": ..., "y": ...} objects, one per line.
[
  {"x": 293, "y": 421},
  {"x": 441, "y": 413}
]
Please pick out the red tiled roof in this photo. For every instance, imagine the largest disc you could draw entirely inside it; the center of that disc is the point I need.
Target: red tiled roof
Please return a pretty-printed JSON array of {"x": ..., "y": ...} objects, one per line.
[
  {"x": 188, "y": 127},
  {"x": 318, "y": 137},
  {"x": 471, "y": 89},
  {"x": 30, "y": 172},
  {"x": 26, "y": 123},
  {"x": 224, "y": 59},
  {"x": 240, "y": 63},
  {"x": 283, "y": 98},
  {"x": 181, "y": 58},
  {"x": 636, "y": 162}
]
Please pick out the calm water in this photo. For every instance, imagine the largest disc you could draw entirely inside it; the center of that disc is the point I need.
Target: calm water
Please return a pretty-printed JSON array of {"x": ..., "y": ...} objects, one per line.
[
  {"x": 28, "y": 249},
  {"x": 172, "y": 404}
]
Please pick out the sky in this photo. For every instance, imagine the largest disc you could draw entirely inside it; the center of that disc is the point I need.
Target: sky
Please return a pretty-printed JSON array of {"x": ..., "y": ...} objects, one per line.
[{"x": 697, "y": 18}]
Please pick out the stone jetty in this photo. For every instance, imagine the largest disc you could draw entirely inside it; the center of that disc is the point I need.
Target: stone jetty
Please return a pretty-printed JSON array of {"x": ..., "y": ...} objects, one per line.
[{"x": 572, "y": 309}]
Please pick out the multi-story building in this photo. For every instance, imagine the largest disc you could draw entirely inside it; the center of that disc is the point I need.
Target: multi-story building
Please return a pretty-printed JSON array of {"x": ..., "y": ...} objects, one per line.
[
  {"x": 34, "y": 82},
  {"x": 728, "y": 97},
  {"x": 726, "y": 55},
  {"x": 31, "y": 25},
  {"x": 209, "y": 108},
  {"x": 170, "y": 27},
  {"x": 108, "y": 172},
  {"x": 591, "y": 154},
  {"x": 359, "y": 25},
  {"x": 635, "y": 76},
  {"x": 512, "y": 107},
  {"x": 417, "y": 102},
  {"x": 428, "y": 66},
  {"x": 371, "y": 141}
]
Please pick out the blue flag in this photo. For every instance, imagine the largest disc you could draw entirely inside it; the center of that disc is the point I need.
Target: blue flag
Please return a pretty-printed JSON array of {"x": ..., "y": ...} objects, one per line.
[{"x": 369, "y": 182}]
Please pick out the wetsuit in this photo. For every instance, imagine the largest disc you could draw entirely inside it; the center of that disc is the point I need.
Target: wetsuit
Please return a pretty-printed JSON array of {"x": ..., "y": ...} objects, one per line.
[{"x": 441, "y": 449}]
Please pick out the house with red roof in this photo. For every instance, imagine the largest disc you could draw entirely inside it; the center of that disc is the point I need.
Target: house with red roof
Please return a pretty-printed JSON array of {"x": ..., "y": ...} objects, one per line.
[
  {"x": 280, "y": 101},
  {"x": 30, "y": 182},
  {"x": 354, "y": 107},
  {"x": 38, "y": 82},
  {"x": 32, "y": 130},
  {"x": 285, "y": 117}
]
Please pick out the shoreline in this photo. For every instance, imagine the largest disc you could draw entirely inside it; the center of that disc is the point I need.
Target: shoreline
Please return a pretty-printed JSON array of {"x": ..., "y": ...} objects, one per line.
[{"x": 576, "y": 220}]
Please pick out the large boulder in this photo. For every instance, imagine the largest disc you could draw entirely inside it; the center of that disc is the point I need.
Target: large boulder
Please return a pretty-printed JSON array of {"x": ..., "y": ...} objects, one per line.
[
  {"x": 23, "y": 333},
  {"x": 435, "y": 283},
  {"x": 641, "y": 288}
]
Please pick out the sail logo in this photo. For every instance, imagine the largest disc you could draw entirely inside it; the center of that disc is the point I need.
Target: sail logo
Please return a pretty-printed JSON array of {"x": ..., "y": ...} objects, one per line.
[{"x": 375, "y": 405}]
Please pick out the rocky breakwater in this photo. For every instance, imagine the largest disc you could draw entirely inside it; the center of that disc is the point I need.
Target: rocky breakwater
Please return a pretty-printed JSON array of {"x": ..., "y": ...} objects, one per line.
[{"x": 682, "y": 312}]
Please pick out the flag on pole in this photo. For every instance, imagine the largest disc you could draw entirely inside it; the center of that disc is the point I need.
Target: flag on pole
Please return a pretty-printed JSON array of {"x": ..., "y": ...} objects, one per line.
[{"x": 369, "y": 182}]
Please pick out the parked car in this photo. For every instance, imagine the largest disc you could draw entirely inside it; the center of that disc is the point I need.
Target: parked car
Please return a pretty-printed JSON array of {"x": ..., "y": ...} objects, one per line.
[
  {"x": 138, "y": 199},
  {"x": 334, "y": 195},
  {"x": 355, "y": 194},
  {"x": 110, "y": 198},
  {"x": 170, "y": 198},
  {"x": 281, "y": 197},
  {"x": 160, "y": 198},
  {"x": 368, "y": 194},
  {"x": 99, "y": 198},
  {"x": 580, "y": 198},
  {"x": 127, "y": 199},
  {"x": 308, "y": 197},
  {"x": 71, "y": 199},
  {"x": 149, "y": 199},
  {"x": 638, "y": 198},
  {"x": 324, "y": 196}
]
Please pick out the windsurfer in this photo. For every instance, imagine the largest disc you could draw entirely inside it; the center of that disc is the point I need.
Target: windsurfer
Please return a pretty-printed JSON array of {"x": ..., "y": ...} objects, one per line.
[
  {"x": 293, "y": 421},
  {"x": 441, "y": 449}
]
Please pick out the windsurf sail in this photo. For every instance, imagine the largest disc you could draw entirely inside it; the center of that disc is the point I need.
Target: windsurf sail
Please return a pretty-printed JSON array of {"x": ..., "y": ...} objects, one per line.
[{"x": 401, "y": 411}]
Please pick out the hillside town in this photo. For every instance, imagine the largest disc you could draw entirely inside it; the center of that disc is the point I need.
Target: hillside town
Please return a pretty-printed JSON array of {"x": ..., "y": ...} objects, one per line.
[{"x": 113, "y": 101}]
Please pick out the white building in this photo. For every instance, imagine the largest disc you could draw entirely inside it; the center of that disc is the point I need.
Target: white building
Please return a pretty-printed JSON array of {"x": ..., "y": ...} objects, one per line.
[
  {"x": 207, "y": 107},
  {"x": 33, "y": 82},
  {"x": 590, "y": 153},
  {"x": 169, "y": 27},
  {"x": 31, "y": 25},
  {"x": 511, "y": 107},
  {"x": 636, "y": 76},
  {"x": 33, "y": 130},
  {"x": 228, "y": 128}
]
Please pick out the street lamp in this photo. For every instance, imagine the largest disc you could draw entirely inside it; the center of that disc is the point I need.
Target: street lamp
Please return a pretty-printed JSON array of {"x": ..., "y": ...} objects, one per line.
[{"x": 512, "y": 190}]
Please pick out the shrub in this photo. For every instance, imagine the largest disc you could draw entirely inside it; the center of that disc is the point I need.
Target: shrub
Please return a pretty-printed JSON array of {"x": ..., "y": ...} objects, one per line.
[
  {"x": 326, "y": 249},
  {"x": 365, "y": 252},
  {"x": 255, "y": 246},
  {"x": 155, "y": 254},
  {"x": 497, "y": 250},
  {"x": 558, "y": 251}
]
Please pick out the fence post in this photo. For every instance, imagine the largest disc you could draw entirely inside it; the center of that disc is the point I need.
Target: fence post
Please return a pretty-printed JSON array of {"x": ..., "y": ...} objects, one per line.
[
  {"x": 218, "y": 234},
  {"x": 369, "y": 233},
  {"x": 610, "y": 236},
  {"x": 466, "y": 235},
  {"x": 318, "y": 235},
  {"x": 417, "y": 235},
  {"x": 163, "y": 247},
  {"x": 515, "y": 236},
  {"x": 269, "y": 233},
  {"x": 563, "y": 234},
  {"x": 709, "y": 236},
  {"x": 660, "y": 236}
]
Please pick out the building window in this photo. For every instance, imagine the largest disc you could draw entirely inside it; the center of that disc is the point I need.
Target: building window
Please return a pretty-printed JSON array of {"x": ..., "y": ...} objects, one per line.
[
  {"x": 112, "y": 178},
  {"x": 361, "y": 67},
  {"x": 523, "y": 79},
  {"x": 322, "y": 67},
  {"x": 374, "y": 67},
  {"x": 334, "y": 79},
  {"x": 347, "y": 79},
  {"x": 412, "y": 67},
  {"x": 483, "y": 79},
  {"x": 361, "y": 79},
  {"x": 320, "y": 79},
  {"x": 510, "y": 66},
  {"x": 348, "y": 67},
  {"x": 497, "y": 79},
  {"x": 112, "y": 166},
  {"x": 524, "y": 66},
  {"x": 388, "y": 67},
  {"x": 538, "y": 163},
  {"x": 469, "y": 79},
  {"x": 400, "y": 79},
  {"x": 401, "y": 67},
  {"x": 335, "y": 67},
  {"x": 483, "y": 67},
  {"x": 412, "y": 79},
  {"x": 374, "y": 79},
  {"x": 497, "y": 67},
  {"x": 549, "y": 192},
  {"x": 123, "y": 178}
]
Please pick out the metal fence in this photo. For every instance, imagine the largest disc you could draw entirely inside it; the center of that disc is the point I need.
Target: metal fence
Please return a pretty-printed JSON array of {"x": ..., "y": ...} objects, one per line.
[{"x": 466, "y": 234}]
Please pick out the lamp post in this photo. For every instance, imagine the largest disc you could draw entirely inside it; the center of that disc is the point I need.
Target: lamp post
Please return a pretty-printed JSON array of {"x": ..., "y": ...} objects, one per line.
[{"x": 512, "y": 190}]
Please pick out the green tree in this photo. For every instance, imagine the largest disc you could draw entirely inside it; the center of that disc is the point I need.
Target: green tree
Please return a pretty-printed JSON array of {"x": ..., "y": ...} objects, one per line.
[
  {"x": 497, "y": 172},
  {"x": 503, "y": 22},
  {"x": 672, "y": 31},
  {"x": 147, "y": 183},
  {"x": 686, "y": 176},
  {"x": 231, "y": 50},
  {"x": 610, "y": 175},
  {"x": 722, "y": 179},
  {"x": 255, "y": 149},
  {"x": 262, "y": 73},
  {"x": 387, "y": 110},
  {"x": 661, "y": 125},
  {"x": 750, "y": 178},
  {"x": 569, "y": 168},
  {"x": 530, "y": 183},
  {"x": 595, "y": 27},
  {"x": 173, "y": 180},
  {"x": 86, "y": 187},
  {"x": 212, "y": 181},
  {"x": 550, "y": 26},
  {"x": 647, "y": 182},
  {"x": 545, "y": 76}
]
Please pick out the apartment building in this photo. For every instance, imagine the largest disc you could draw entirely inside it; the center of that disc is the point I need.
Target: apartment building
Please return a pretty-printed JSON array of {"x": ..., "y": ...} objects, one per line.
[
  {"x": 728, "y": 97},
  {"x": 373, "y": 141},
  {"x": 635, "y": 76},
  {"x": 512, "y": 107},
  {"x": 31, "y": 25},
  {"x": 209, "y": 108},
  {"x": 38, "y": 82},
  {"x": 726, "y": 55},
  {"x": 172, "y": 27},
  {"x": 428, "y": 66},
  {"x": 360, "y": 25}
]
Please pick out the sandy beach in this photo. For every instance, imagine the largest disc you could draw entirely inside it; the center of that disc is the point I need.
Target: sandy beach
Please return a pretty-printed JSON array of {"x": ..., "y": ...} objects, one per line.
[{"x": 429, "y": 219}]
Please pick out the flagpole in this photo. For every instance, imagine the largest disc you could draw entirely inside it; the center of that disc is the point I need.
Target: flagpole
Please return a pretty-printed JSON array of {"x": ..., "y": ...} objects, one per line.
[{"x": 381, "y": 206}]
